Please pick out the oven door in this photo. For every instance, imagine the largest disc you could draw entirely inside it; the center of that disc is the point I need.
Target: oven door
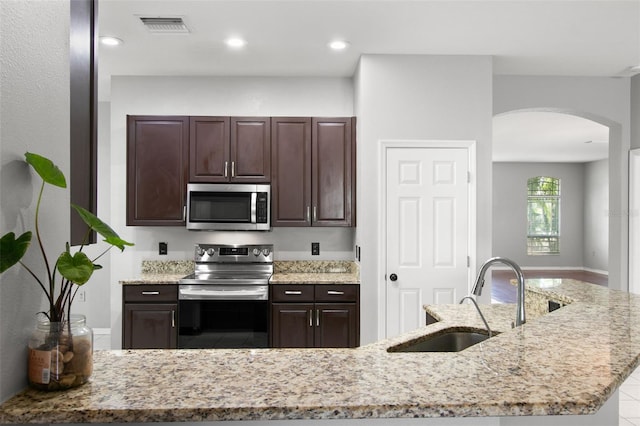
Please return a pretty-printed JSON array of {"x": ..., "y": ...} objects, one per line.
[{"x": 216, "y": 317}]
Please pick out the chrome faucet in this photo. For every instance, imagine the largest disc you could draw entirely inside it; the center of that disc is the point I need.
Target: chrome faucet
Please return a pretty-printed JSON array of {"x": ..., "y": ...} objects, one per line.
[
  {"x": 477, "y": 286},
  {"x": 486, "y": 324}
]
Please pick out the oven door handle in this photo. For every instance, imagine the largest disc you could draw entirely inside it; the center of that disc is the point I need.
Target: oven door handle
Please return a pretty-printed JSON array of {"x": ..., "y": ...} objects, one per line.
[{"x": 260, "y": 293}]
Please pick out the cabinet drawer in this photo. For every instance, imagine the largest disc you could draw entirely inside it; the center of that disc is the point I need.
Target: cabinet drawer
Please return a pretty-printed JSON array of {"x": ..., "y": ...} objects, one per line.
[
  {"x": 336, "y": 293},
  {"x": 292, "y": 293},
  {"x": 150, "y": 293}
]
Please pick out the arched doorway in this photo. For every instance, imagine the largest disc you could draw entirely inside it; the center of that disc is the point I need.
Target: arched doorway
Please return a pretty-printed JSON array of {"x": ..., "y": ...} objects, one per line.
[{"x": 600, "y": 214}]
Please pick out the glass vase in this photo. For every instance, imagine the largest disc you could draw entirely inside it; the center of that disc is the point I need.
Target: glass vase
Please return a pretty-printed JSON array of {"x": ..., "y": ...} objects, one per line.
[{"x": 60, "y": 354}]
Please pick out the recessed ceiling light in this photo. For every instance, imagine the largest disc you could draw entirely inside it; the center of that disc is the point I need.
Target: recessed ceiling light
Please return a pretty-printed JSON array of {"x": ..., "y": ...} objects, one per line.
[
  {"x": 339, "y": 44},
  {"x": 111, "y": 41},
  {"x": 235, "y": 42}
]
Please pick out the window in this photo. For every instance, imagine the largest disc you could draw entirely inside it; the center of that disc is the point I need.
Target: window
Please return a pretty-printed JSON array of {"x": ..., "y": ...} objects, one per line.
[{"x": 543, "y": 215}]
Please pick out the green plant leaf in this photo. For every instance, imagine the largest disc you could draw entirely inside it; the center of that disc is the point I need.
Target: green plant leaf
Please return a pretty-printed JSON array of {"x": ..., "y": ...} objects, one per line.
[
  {"x": 77, "y": 268},
  {"x": 48, "y": 171},
  {"x": 12, "y": 249},
  {"x": 101, "y": 228}
]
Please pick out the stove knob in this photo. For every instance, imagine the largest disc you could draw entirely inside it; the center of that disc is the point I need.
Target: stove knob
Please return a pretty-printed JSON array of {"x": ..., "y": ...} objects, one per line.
[
  {"x": 266, "y": 252},
  {"x": 256, "y": 251},
  {"x": 200, "y": 251},
  {"x": 211, "y": 252}
]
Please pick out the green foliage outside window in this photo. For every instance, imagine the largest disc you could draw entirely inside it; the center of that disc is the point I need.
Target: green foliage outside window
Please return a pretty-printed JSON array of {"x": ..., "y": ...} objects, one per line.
[{"x": 543, "y": 215}]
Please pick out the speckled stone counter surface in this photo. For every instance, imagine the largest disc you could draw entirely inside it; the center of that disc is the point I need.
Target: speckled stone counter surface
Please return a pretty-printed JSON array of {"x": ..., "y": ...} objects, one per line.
[
  {"x": 285, "y": 272},
  {"x": 162, "y": 272},
  {"x": 315, "y": 272},
  {"x": 569, "y": 361}
]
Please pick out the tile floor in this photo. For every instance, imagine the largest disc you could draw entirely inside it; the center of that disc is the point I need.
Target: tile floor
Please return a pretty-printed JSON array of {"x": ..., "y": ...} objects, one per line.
[{"x": 630, "y": 400}]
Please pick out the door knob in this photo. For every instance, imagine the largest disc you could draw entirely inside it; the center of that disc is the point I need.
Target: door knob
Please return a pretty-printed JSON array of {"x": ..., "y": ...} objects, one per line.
[{"x": 393, "y": 277}]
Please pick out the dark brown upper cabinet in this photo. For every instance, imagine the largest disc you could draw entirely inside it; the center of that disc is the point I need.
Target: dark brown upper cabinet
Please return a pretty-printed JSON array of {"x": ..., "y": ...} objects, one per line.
[
  {"x": 313, "y": 171},
  {"x": 230, "y": 149},
  {"x": 291, "y": 171},
  {"x": 157, "y": 159},
  {"x": 209, "y": 149}
]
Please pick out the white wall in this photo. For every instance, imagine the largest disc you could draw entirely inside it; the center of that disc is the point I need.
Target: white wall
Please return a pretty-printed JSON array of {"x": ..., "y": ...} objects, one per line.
[
  {"x": 235, "y": 96},
  {"x": 34, "y": 116},
  {"x": 415, "y": 97},
  {"x": 604, "y": 100},
  {"x": 596, "y": 219},
  {"x": 94, "y": 307},
  {"x": 510, "y": 212}
]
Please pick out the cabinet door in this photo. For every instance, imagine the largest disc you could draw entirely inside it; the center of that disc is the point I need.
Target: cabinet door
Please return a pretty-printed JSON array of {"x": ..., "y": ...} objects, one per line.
[
  {"x": 332, "y": 172},
  {"x": 209, "y": 149},
  {"x": 250, "y": 149},
  {"x": 290, "y": 171},
  {"x": 157, "y": 149},
  {"x": 336, "y": 325},
  {"x": 150, "y": 326},
  {"x": 292, "y": 325}
]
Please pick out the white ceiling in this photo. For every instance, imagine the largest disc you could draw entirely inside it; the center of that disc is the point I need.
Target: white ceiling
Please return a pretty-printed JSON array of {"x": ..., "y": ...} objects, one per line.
[
  {"x": 289, "y": 38},
  {"x": 537, "y": 136}
]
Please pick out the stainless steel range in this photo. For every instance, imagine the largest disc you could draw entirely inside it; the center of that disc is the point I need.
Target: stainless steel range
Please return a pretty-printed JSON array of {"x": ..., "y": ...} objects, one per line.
[{"x": 224, "y": 303}]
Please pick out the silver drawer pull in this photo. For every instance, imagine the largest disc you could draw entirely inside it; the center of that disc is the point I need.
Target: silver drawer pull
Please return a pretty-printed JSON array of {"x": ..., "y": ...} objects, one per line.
[
  {"x": 335, "y": 293},
  {"x": 310, "y": 317},
  {"x": 292, "y": 292},
  {"x": 151, "y": 293}
]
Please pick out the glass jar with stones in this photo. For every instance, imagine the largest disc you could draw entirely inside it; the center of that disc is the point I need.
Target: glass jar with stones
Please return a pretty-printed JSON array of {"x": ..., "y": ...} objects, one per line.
[{"x": 60, "y": 353}]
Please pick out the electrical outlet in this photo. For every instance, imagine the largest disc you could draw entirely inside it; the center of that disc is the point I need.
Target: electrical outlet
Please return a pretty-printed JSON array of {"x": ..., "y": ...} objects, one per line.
[
  {"x": 162, "y": 248},
  {"x": 81, "y": 296},
  {"x": 315, "y": 249}
]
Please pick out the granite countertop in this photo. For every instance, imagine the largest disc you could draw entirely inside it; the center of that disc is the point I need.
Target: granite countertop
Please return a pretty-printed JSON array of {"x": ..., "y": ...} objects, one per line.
[
  {"x": 285, "y": 272},
  {"x": 569, "y": 361}
]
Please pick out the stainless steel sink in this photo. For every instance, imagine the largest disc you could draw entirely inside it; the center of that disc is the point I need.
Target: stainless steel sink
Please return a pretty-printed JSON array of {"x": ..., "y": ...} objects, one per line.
[{"x": 446, "y": 341}]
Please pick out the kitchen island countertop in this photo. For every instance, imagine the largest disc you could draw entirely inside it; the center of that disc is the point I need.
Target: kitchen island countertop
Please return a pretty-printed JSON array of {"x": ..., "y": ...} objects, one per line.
[{"x": 567, "y": 362}]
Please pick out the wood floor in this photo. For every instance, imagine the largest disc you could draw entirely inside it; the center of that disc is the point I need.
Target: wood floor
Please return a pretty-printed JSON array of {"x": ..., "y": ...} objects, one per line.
[{"x": 503, "y": 292}]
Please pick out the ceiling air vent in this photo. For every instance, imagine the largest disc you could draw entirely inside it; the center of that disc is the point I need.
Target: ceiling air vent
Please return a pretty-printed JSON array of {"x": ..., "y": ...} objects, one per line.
[{"x": 163, "y": 25}]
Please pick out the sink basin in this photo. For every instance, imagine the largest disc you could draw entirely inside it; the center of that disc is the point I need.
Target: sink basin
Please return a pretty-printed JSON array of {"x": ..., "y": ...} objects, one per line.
[{"x": 445, "y": 341}]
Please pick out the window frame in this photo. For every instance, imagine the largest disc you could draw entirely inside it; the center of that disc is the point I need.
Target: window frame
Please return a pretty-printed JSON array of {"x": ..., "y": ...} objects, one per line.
[{"x": 545, "y": 242}]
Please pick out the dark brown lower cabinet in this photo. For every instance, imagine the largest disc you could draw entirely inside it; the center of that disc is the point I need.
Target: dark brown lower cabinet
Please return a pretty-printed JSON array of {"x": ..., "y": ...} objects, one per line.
[
  {"x": 320, "y": 316},
  {"x": 149, "y": 320}
]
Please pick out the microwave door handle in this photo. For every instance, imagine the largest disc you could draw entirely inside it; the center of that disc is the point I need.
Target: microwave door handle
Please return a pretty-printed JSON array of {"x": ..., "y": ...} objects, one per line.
[{"x": 254, "y": 207}]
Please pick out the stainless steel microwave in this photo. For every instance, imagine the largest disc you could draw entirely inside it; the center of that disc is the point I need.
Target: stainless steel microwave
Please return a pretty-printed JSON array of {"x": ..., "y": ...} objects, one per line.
[{"x": 228, "y": 207}]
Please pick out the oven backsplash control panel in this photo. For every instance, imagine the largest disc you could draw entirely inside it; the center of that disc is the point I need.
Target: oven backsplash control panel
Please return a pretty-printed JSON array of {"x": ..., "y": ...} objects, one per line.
[{"x": 228, "y": 253}]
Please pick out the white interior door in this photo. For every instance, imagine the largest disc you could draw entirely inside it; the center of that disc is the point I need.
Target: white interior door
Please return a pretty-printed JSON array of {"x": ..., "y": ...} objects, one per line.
[
  {"x": 634, "y": 221},
  {"x": 427, "y": 232}
]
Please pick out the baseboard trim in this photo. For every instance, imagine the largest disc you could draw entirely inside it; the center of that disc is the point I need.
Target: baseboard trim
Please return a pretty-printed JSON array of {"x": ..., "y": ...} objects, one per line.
[{"x": 101, "y": 331}]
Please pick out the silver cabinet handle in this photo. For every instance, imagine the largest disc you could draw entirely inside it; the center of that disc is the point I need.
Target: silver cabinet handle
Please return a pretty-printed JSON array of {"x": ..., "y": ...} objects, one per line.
[
  {"x": 184, "y": 213},
  {"x": 292, "y": 292},
  {"x": 310, "y": 317},
  {"x": 173, "y": 319},
  {"x": 317, "y": 317},
  {"x": 233, "y": 169},
  {"x": 315, "y": 214},
  {"x": 226, "y": 167},
  {"x": 335, "y": 293},
  {"x": 308, "y": 214},
  {"x": 150, "y": 293}
]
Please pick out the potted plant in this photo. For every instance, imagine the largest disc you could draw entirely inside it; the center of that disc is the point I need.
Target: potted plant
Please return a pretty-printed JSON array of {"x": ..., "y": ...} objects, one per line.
[{"x": 61, "y": 347}]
